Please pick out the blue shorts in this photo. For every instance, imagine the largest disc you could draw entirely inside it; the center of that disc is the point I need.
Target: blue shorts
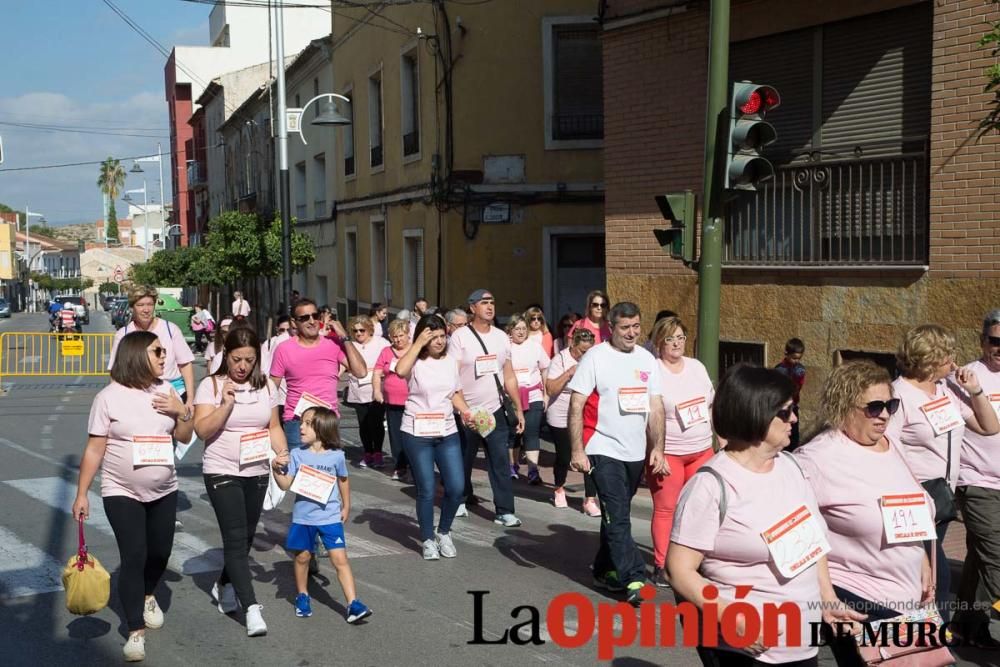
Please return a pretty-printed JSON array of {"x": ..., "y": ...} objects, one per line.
[{"x": 303, "y": 538}]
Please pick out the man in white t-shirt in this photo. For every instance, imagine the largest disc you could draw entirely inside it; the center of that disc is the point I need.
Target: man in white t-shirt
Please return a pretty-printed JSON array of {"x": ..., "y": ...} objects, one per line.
[
  {"x": 241, "y": 307},
  {"x": 616, "y": 424}
]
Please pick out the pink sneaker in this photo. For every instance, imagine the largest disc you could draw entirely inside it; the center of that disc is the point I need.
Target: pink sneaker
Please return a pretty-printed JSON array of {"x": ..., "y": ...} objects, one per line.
[
  {"x": 560, "y": 498},
  {"x": 377, "y": 461},
  {"x": 591, "y": 507}
]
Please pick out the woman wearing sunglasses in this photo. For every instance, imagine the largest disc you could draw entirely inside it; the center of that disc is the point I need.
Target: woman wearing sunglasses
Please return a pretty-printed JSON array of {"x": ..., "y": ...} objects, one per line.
[
  {"x": 132, "y": 421},
  {"x": 360, "y": 393},
  {"x": 538, "y": 330},
  {"x": 596, "y": 319},
  {"x": 876, "y": 566},
  {"x": 932, "y": 421}
]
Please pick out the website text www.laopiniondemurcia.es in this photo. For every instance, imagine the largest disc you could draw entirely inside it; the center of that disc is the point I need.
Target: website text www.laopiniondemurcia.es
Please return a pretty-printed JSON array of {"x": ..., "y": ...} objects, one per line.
[{"x": 572, "y": 620}]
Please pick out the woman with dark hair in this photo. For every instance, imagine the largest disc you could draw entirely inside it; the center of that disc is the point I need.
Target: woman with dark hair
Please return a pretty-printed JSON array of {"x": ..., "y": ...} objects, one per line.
[
  {"x": 236, "y": 414},
  {"x": 728, "y": 529},
  {"x": 132, "y": 423},
  {"x": 596, "y": 318},
  {"x": 379, "y": 314},
  {"x": 562, "y": 336},
  {"x": 430, "y": 434}
]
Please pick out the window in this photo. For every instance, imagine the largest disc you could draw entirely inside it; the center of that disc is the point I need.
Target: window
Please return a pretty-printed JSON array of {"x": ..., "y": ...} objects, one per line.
[
  {"x": 315, "y": 93},
  {"x": 319, "y": 187},
  {"x": 413, "y": 265},
  {"x": 886, "y": 360},
  {"x": 349, "y": 137},
  {"x": 732, "y": 353},
  {"x": 410, "y": 89},
  {"x": 574, "y": 83},
  {"x": 375, "y": 119},
  {"x": 379, "y": 275},
  {"x": 351, "y": 267},
  {"x": 300, "y": 190}
]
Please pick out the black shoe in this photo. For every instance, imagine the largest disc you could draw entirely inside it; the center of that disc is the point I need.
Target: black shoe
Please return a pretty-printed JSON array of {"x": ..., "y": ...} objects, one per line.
[
  {"x": 659, "y": 578},
  {"x": 472, "y": 500},
  {"x": 634, "y": 595}
]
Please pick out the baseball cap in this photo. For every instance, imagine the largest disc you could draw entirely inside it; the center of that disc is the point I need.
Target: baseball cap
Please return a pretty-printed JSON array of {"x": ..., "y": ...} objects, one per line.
[{"x": 478, "y": 295}]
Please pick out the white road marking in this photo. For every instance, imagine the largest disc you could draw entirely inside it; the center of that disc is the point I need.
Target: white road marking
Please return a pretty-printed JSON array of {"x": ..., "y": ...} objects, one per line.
[
  {"x": 65, "y": 399},
  {"x": 47, "y": 429},
  {"x": 25, "y": 569},
  {"x": 45, "y": 443},
  {"x": 60, "y": 408},
  {"x": 190, "y": 555},
  {"x": 31, "y": 359}
]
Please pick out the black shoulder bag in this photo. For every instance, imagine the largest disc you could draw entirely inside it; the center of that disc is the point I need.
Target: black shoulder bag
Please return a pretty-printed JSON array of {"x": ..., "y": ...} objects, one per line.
[
  {"x": 940, "y": 491},
  {"x": 509, "y": 411}
]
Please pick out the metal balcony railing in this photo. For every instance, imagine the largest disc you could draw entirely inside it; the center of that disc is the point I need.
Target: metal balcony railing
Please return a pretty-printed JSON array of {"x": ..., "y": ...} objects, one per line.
[
  {"x": 839, "y": 213},
  {"x": 411, "y": 143},
  {"x": 197, "y": 174},
  {"x": 567, "y": 127}
]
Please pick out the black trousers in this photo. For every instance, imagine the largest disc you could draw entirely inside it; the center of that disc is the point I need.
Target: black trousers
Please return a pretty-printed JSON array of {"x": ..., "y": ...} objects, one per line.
[
  {"x": 371, "y": 430},
  {"x": 238, "y": 502},
  {"x": 617, "y": 482},
  {"x": 145, "y": 536},
  {"x": 564, "y": 453}
]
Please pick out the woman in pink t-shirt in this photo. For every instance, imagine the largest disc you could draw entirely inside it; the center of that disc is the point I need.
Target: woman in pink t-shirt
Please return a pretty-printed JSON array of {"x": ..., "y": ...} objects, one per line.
[
  {"x": 877, "y": 566},
  {"x": 430, "y": 433},
  {"x": 389, "y": 389},
  {"x": 531, "y": 367},
  {"x": 687, "y": 401},
  {"x": 132, "y": 423},
  {"x": 236, "y": 414},
  {"x": 931, "y": 422},
  {"x": 596, "y": 318},
  {"x": 360, "y": 394},
  {"x": 538, "y": 330},
  {"x": 728, "y": 530}
]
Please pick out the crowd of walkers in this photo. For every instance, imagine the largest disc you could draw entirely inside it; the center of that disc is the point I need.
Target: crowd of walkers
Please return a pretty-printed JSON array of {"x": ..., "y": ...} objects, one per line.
[{"x": 847, "y": 525}]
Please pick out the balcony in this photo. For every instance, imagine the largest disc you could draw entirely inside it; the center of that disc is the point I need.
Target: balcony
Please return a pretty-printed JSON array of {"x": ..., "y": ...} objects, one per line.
[
  {"x": 570, "y": 127},
  {"x": 870, "y": 212},
  {"x": 197, "y": 175}
]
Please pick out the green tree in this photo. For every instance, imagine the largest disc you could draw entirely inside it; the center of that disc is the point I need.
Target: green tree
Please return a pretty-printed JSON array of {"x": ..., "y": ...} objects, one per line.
[
  {"x": 241, "y": 245},
  {"x": 109, "y": 288},
  {"x": 991, "y": 40},
  {"x": 179, "y": 267},
  {"x": 111, "y": 181}
]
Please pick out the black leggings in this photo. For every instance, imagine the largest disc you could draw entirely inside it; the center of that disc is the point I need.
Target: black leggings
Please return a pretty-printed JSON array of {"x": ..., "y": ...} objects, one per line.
[
  {"x": 238, "y": 502},
  {"x": 370, "y": 426},
  {"x": 145, "y": 536},
  {"x": 564, "y": 452}
]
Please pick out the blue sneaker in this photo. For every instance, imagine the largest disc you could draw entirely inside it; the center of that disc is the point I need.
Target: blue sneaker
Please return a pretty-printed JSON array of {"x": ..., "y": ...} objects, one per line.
[
  {"x": 357, "y": 610},
  {"x": 302, "y": 607}
]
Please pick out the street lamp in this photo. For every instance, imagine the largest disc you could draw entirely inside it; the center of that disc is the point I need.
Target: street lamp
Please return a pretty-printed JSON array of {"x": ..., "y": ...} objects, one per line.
[
  {"x": 137, "y": 169},
  {"x": 145, "y": 213},
  {"x": 328, "y": 114},
  {"x": 27, "y": 251}
]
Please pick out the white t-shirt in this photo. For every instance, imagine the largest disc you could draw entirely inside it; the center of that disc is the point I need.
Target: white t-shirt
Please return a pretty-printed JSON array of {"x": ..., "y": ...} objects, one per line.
[
  {"x": 619, "y": 387},
  {"x": 241, "y": 308},
  {"x": 687, "y": 403},
  {"x": 529, "y": 360},
  {"x": 178, "y": 352},
  {"x": 360, "y": 390},
  {"x": 431, "y": 385},
  {"x": 480, "y": 388},
  {"x": 980, "y": 461},
  {"x": 558, "y": 413}
]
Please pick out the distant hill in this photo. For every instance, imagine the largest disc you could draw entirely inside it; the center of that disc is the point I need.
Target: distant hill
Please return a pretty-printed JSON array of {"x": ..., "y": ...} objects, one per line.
[{"x": 84, "y": 231}]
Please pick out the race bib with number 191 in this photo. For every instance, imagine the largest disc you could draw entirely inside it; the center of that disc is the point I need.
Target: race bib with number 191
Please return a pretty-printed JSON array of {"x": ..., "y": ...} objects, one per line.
[{"x": 907, "y": 518}]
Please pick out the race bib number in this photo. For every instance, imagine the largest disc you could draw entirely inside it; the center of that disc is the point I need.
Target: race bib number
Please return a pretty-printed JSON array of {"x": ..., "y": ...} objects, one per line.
[
  {"x": 995, "y": 402},
  {"x": 428, "y": 424},
  {"x": 307, "y": 401},
  {"x": 523, "y": 375},
  {"x": 633, "y": 400},
  {"x": 152, "y": 450},
  {"x": 254, "y": 446},
  {"x": 313, "y": 484},
  {"x": 907, "y": 518},
  {"x": 392, "y": 365},
  {"x": 796, "y": 542},
  {"x": 366, "y": 380},
  {"x": 942, "y": 415},
  {"x": 693, "y": 412},
  {"x": 487, "y": 365}
]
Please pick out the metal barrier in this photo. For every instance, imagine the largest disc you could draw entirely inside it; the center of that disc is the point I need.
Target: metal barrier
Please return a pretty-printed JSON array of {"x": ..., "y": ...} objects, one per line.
[{"x": 37, "y": 354}]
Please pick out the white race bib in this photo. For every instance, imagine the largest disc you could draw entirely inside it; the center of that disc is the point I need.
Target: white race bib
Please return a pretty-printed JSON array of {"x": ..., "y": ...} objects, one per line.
[
  {"x": 692, "y": 412},
  {"x": 313, "y": 484},
  {"x": 486, "y": 365},
  {"x": 307, "y": 401},
  {"x": 633, "y": 400},
  {"x": 942, "y": 415},
  {"x": 796, "y": 542},
  {"x": 995, "y": 402},
  {"x": 428, "y": 424},
  {"x": 152, "y": 450},
  {"x": 907, "y": 518},
  {"x": 254, "y": 446},
  {"x": 523, "y": 376}
]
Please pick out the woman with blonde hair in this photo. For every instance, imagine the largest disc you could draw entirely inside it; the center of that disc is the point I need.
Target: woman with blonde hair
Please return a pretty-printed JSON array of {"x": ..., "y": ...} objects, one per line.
[
  {"x": 595, "y": 317},
  {"x": 360, "y": 392},
  {"x": 538, "y": 329},
  {"x": 389, "y": 389},
  {"x": 931, "y": 422}
]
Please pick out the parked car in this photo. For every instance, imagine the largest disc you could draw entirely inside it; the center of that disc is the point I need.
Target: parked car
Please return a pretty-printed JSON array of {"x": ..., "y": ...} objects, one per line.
[
  {"x": 120, "y": 314},
  {"x": 4, "y": 308},
  {"x": 79, "y": 305}
]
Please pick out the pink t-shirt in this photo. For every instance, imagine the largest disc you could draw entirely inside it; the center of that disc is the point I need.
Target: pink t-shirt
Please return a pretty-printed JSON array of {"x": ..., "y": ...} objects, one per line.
[
  {"x": 849, "y": 481},
  {"x": 178, "y": 352},
  {"x": 925, "y": 453},
  {"x": 685, "y": 389},
  {"x": 480, "y": 391},
  {"x": 980, "y": 458},
  {"x": 735, "y": 553},
  {"x": 602, "y": 332},
  {"x": 313, "y": 369},
  {"x": 558, "y": 413},
  {"x": 529, "y": 360},
  {"x": 394, "y": 388},
  {"x": 360, "y": 390},
  {"x": 118, "y": 413},
  {"x": 251, "y": 412},
  {"x": 431, "y": 385}
]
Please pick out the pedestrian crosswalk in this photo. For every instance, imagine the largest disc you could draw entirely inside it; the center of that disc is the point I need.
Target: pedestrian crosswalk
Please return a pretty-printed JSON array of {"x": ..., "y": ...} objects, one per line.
[{"x": 25, "y": 569}]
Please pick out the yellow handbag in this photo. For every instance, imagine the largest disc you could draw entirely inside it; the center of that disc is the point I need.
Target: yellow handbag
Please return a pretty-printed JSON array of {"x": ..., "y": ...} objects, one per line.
[{"x": 87, "y": 583}]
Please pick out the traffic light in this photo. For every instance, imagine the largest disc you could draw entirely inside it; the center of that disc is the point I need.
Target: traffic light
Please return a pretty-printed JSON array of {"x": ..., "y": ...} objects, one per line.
[
  {"x": 679, "y": 209},
  {"x": 748, "y": 134}
]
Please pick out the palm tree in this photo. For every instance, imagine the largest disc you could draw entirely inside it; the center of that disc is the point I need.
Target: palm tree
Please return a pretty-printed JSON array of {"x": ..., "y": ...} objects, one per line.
[{"x": 111, "y": 181}]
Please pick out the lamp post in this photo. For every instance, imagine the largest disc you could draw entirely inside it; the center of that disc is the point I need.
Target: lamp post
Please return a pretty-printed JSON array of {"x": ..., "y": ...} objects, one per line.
[
  {"x": 27, "y": 252},
  {"x": 137, "y": 169},
  {"x": 145, "y": 214}
]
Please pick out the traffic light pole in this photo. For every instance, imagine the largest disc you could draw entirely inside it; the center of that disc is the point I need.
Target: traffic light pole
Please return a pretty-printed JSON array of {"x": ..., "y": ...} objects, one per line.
[{"x": 710, "y": 263}]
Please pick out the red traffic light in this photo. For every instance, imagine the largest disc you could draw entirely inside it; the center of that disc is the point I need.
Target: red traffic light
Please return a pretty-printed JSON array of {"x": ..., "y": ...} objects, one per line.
[{"x": 753, "y": 100}]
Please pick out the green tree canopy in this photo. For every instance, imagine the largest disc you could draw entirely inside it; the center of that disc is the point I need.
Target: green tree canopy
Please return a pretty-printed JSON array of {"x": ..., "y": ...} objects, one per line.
[{"x": 991, "y": 40}]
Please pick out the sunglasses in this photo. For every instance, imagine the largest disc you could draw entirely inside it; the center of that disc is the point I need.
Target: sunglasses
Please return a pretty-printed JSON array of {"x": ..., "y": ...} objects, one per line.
[
  {"x": 994, "y": 340},
  {"x": 598, "y": 304},
  {"x": 302, "y": 319},
  {"x": 785, "y": 414},
  {"x": 536, "y": 319},
  {"x": 159, "y": 351},
  {"x": 359, "y": 330},
  {"x": 874, "y": 409}
]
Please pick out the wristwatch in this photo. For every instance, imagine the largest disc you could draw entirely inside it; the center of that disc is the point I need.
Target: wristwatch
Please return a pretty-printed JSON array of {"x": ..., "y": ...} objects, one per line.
[{"x": 186, "y": 417}]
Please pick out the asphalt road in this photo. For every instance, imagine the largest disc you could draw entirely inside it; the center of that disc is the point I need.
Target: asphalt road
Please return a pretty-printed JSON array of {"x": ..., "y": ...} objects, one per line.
[{"x": 423, "y": 611}]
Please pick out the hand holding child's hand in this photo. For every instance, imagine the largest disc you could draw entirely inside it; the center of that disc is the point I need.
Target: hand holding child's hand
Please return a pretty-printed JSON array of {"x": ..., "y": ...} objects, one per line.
[{"x": 280, "y": 463}]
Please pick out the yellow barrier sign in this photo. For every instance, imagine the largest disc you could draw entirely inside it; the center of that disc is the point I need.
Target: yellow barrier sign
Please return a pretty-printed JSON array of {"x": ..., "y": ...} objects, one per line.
[
  {"x": 72, "y": 348},
  {"x": 36, "y": 354}
]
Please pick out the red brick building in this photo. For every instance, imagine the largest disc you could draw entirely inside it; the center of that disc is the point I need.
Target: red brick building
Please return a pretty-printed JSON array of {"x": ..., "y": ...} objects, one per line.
[{"x": 883, "y": 213}]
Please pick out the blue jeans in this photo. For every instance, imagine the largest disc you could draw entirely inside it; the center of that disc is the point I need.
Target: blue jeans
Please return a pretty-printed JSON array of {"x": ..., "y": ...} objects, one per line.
[
  {"x": 616, "y": 483},
  {"x": 292, "y": 434},
  {"x": 423, "y": 453},
  {"x": 497, "y": 463}
]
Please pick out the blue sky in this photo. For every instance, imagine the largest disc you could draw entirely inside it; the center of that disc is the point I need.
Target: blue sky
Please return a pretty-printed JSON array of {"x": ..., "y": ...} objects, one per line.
[{"x": 76, "y": 63}]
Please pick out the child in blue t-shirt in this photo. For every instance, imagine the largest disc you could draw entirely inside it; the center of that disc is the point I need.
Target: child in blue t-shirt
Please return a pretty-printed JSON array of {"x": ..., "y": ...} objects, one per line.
[{"x": 321, "y": 451}]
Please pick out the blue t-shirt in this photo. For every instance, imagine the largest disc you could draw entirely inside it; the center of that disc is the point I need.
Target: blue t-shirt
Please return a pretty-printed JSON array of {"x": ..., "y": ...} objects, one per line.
[{"x": 307, "y": 511}]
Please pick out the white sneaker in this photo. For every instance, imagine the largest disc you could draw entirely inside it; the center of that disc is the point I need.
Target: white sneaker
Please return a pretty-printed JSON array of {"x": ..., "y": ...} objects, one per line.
[
  {"x": 446, "y": 546},
  {"x": 225, "y": 598},
  {"x": 152, "y": 614},
  {"x": 507, "y": 521},
  {"x": 462, "y": 511},
  {"x": 135, "y": 648},
  {"x": 431, "y": 551},
  {"x": 255, "y": 621}
]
